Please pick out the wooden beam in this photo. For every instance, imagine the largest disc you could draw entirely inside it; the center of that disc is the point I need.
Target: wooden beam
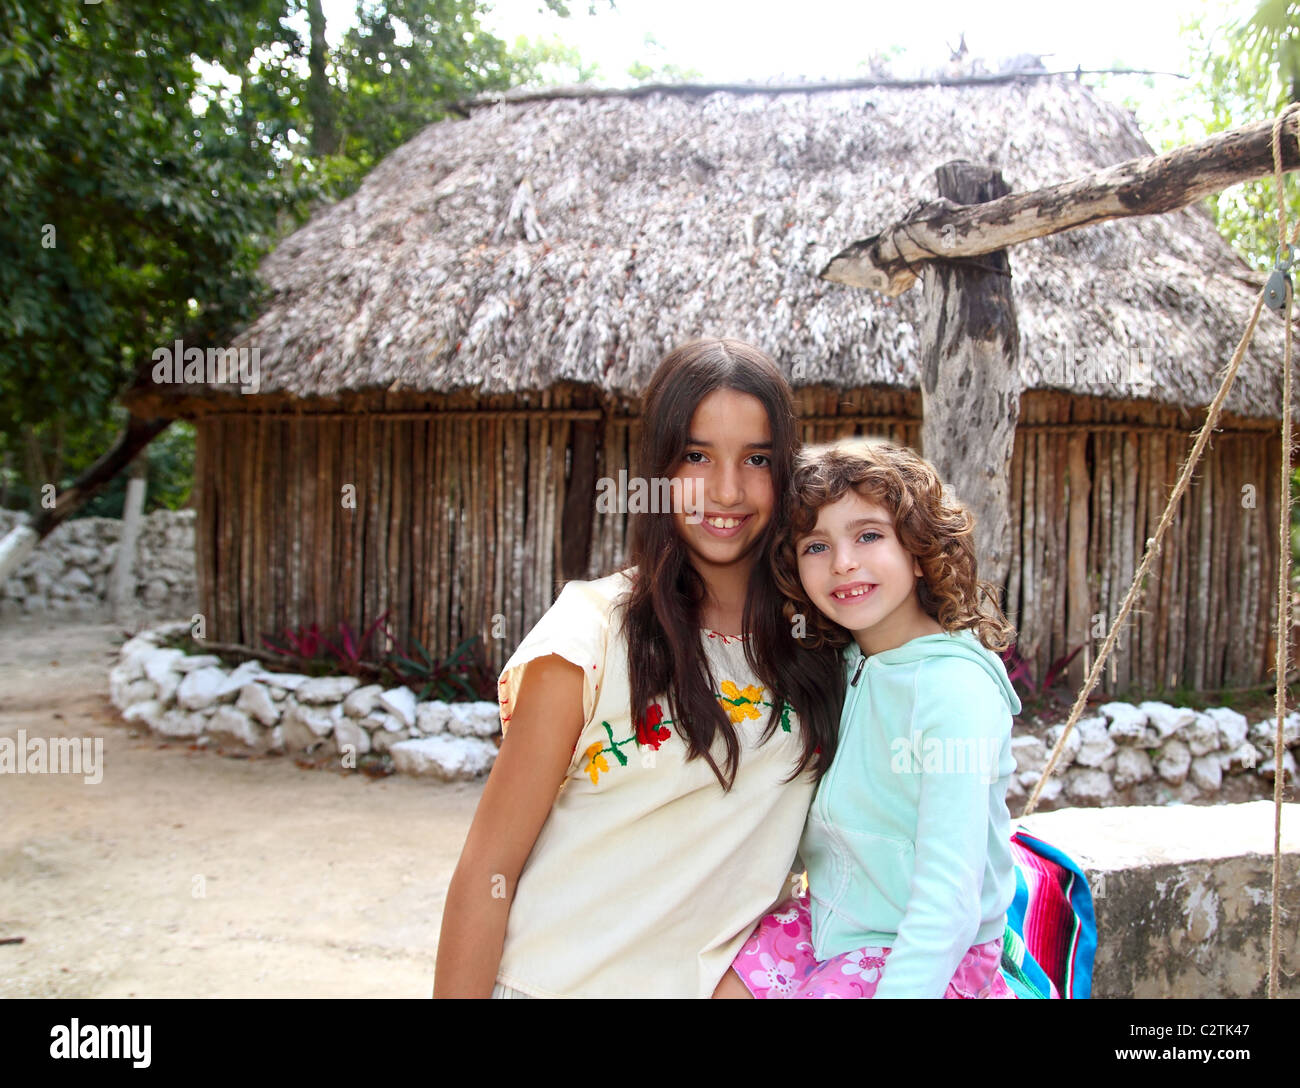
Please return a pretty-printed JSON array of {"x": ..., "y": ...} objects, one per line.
[{"x": 1147, "y": 186}]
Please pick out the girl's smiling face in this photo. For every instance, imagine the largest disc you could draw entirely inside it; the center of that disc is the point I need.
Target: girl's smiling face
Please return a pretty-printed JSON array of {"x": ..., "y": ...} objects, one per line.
[
  {"x": 726, "y": 475},
  {"x": 858, "y": 574}
]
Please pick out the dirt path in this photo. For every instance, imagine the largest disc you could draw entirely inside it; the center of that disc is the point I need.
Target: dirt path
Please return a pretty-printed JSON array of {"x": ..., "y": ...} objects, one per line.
[{"x": 186, "y": 873}]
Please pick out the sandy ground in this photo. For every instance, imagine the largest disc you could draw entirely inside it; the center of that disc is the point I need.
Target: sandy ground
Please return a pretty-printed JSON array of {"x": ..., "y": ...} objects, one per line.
[{"x": 188, "y": 873}]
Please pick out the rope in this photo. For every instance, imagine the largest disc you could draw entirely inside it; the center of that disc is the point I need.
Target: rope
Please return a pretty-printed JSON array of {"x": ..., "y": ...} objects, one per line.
[
  {"x": 1282, "y": 626},
  {"x": 1283, "y": 574}
]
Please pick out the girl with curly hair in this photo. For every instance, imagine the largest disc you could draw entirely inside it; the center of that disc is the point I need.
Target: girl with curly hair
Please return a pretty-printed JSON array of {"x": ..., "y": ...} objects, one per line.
[{"x": 907, "y": 843}]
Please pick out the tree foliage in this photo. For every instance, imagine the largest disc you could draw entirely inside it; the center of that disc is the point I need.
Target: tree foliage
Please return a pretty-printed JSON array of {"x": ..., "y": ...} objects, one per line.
[
  {"x": 1246, "y": 70},
  {"x": 154, "y": 152}
]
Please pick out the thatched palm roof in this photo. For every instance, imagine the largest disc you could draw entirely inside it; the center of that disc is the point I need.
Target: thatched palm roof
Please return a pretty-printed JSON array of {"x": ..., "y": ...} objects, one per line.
[{"x": 578, "y": 239}]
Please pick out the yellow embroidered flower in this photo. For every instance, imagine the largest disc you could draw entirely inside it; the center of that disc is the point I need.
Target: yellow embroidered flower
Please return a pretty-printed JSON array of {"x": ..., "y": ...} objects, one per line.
[
  {"x": 595, "y": 763},
  {"x": 740, "y": 704}
]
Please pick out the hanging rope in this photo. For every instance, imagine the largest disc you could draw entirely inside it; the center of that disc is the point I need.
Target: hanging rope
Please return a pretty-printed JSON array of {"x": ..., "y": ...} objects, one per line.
[
  {"x": 1284, "y": 570},
  {"x": 1283, "y": 626}
]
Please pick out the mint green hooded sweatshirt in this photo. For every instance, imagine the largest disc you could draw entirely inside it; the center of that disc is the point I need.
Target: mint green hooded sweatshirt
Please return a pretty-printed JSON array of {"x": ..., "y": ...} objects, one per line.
[{"x": 907, "y": 843}]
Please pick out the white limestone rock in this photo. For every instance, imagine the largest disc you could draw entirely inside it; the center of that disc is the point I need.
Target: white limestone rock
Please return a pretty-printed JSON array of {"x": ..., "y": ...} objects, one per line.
[
  {"x": 148, "y": 712},
  {"x": 285, "y": 681},
  {"x": 383, "y": 739},
  {"x": 1202, "y": 735},
  {"x": 255, "y": 701},
  {"x": 361, "y": 702},
  {"x": 431, "y": 718},
  {"x": 1207, "y": 773},
  {"x": 158, "y": 663},
  {"x": 1128, "y": 724},
  {"x": 1030, "y": 753},
  {"x": 1263, "y": 732},
  {"x": 238, "y": 677},
  {"x": 1244, "y": 757},
  {"x": 229, "y": 722},
  {"x": 1167, "y": 719},
  {"x": 120, "y": 677},
  {"x": 1132, "y": 765},
  {"x": 275, "y": 740},
  {"x": 1095, "y": 744},
  {"x": 1029, "y": 779},
  {"x": 1088, "y": 784},
  {"x": 200, "y": 688},
  {"x": 316, "y": 719},
  {"x": 190, "y": 662},
  {"x": 326, "y": 689},
  {"x": 1233, "y": 727},
  {"x": 400, "y": 702},
  {"x": 447, "y": 758},
  {"x": 1288, "y": 766},
  {"x": 382, "y": 720},
  {"x": 1072, "y": 746},
  {"x": 473, "y": 719},
  {"x": 348, "y": 733},
  {"x": 1173, "y": 762},
  {"x": 179, "y": 723}
]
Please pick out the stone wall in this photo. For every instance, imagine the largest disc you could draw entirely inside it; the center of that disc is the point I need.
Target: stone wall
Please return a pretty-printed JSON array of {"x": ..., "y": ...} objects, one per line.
[
  {"x": 1153, "y": 754},
  {"x": 67, "y": 575},
  {"x": 1182, "y": 897},
  {"x": 327, "y": 718}
]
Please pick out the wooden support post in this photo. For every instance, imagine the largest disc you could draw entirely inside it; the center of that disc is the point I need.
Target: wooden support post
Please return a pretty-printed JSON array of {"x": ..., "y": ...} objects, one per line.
[
  {"x": 578, "y": 498},
  {"x": 970, "y": 376},
  {"x": 121, "y": 591}
]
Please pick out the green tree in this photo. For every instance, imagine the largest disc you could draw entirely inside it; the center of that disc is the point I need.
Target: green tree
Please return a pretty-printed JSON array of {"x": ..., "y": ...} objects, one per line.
[
  {"x": 1244, "y": 70},
  {"x": 155, "y": 152}
]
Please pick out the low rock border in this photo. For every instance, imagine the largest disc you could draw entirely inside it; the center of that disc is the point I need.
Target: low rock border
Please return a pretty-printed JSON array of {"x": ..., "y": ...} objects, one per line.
[
  {"x": 194, "y": 696},
  {"x": 1152, "y": 754}
]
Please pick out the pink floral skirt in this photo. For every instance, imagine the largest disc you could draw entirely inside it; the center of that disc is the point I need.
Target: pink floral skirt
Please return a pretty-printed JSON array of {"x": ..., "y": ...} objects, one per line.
[{"x": 777, "y": 961}]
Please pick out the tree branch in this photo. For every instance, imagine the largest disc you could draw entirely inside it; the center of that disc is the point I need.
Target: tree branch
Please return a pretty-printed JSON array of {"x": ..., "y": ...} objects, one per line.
[{"x": 1148, "y": 186}]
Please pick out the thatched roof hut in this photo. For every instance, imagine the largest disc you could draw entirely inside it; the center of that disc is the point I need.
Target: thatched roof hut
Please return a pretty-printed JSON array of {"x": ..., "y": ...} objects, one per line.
[{"x": 464, "y": 339}]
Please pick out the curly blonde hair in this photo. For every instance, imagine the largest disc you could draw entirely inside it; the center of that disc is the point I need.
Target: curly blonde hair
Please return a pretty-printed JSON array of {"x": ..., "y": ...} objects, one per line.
[{"x": 938, "y": 531}]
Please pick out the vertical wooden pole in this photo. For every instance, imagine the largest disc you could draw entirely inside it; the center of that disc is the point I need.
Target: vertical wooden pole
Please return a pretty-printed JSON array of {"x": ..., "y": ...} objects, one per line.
[{"x": 970, "y": 375}]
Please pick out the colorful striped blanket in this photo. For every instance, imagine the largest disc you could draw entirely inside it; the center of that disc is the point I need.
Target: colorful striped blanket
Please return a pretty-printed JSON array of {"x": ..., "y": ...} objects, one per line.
[{"x": 1051, "y": 934}]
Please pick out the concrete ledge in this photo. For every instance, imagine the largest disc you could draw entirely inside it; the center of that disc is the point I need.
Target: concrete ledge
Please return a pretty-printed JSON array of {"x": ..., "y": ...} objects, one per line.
[{"x": 1182, "y": 896}]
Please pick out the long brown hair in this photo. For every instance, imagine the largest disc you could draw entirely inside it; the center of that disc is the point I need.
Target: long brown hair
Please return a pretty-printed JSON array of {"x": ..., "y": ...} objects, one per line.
[
  {"x": 661, "y": 614},
  {"x": 936, "y": 528}
]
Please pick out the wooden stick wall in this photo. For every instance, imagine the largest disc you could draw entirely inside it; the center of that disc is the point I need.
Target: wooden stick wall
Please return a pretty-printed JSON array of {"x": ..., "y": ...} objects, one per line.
[{"x": 457, "y": 527}]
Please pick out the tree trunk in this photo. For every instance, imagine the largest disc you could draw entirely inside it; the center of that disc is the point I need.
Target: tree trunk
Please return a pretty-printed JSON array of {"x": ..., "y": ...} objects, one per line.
[
  {"x": 121, "y": 585},
  {"x": 320, "y": 103},
  {"x": 18, "y": 545},
  {"x": 970, "y": 376}
]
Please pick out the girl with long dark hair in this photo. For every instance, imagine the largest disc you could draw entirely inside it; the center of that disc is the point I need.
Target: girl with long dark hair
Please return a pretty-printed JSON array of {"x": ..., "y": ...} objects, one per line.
[{"x": 664, "y": 729}]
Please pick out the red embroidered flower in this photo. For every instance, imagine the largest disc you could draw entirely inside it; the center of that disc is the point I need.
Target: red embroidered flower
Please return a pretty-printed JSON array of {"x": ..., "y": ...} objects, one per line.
[{"x": 648, "y": 728}]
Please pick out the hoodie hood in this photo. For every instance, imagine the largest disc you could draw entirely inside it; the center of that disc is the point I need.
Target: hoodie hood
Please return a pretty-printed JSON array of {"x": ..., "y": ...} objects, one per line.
[{"x": 962, "y": 644}]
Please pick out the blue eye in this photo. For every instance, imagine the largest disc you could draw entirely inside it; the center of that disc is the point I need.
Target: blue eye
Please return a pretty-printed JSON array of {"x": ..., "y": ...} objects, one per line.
[
  {"x": 869, "y": 532},
  {"x": 815, "y": 544}
]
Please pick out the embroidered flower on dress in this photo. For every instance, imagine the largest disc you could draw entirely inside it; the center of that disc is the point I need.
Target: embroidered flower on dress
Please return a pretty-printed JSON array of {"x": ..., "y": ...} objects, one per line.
[
  {"x": 595, "y": 762},
  {"x": 649, "y": 728},
  {"x": 740, "y": 704},
  {"x": 776, "y": 976}
]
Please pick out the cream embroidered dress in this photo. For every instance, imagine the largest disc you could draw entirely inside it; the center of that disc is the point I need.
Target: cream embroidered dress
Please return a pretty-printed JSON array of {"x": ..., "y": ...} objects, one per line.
[{"x": 646, "y": 877}]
